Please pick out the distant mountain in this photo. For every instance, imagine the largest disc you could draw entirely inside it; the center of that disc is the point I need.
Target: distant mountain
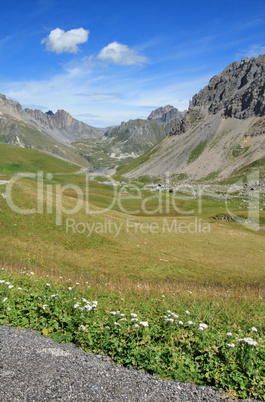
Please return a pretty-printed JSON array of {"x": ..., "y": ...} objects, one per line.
[
  {"x": 222, "y": 132},
  {"x": 59, "y": 133},
  {"x": 139, "y": 135},
  {"x": 60, "y": 125},
  {"x": 165, "y": 114},
  {"x": 121, "y": 144},
  {"x": 135, "y": 136},
  {"x": 47, "y": 132}
]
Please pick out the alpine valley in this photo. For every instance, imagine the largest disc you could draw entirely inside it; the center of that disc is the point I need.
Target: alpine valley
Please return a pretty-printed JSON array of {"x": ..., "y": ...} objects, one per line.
[{"x": 221, "y": 135}]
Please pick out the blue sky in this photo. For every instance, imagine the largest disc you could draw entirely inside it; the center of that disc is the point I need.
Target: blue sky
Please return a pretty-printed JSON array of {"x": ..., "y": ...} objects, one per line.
[{"x": 110, "y": 61}]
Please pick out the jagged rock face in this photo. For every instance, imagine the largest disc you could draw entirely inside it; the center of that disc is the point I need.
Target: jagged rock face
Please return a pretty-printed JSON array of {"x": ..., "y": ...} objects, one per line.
[
  {"x": 61, "y": 120},
  {"x": 8, "y": 104},
  {"x": 239, "y": 92},
  {"x": 165, "y": 114}
]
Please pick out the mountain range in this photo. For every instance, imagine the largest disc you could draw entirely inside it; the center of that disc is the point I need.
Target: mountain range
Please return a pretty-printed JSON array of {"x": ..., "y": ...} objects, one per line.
[
  {"x": 221, "y": 134},
  {"x": 60, "y": 134}
]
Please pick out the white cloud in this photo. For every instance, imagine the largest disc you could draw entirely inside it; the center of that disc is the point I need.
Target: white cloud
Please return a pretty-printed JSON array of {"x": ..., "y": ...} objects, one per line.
[
  {"x": 59, "y": 41},
  {"x": 256, "y": 50},
  {"x": 121, "y": 54},
  {"x": 252, "y": 51}
]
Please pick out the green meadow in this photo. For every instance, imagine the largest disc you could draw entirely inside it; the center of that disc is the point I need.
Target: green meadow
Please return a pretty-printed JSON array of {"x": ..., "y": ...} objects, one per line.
[{"x": 164, "y": 282}]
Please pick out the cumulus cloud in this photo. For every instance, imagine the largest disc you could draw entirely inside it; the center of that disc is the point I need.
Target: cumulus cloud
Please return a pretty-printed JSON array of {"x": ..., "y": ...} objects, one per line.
[
  {"x": 59, "y": 41},
  {"x": 121, "y": 54}
]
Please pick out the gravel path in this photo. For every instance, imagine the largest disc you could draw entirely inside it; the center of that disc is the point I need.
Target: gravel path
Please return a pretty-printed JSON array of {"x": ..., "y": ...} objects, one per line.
[{"x": 35, "y": 368}]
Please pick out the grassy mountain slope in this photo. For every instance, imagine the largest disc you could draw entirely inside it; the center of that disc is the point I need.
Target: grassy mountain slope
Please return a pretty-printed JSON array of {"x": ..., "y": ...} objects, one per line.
[
  {"x": 216, "y": 147},
  {"x": 14, "y": 159},
  {"x": 16, "y": 132}
]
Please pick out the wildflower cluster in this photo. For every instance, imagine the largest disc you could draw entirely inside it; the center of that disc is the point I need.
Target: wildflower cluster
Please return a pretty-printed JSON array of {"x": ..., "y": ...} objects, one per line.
[{"x": 177, "y": 343}]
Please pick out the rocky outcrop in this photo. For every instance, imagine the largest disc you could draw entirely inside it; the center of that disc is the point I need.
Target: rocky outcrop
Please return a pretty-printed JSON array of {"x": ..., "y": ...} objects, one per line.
[
  {"x": 165, "y": 114},
  {"x": 239, "y": 92},
  {"x": 8, "y": 105}
]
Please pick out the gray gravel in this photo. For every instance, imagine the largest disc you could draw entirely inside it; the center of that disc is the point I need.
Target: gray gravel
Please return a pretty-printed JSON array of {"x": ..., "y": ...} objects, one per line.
[{"x": 35, "y": 368}]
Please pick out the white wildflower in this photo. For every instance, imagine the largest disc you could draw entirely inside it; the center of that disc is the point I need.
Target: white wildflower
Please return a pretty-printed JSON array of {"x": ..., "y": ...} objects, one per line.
[
  {"x": 134, "y": 319},
  {"x": 169, "y": 320},
  {"x": 5, "y": 299},
  {"x": 144, "y": 323},
  {"x": 7, "y": 283},
  {"x": 190, "y": 322},
  {"x": 204, "y": 326},
  {"x": 70, "y": 288},
  {"x": 136, "y": 326},
  {"x": 249, "y": 341},
  {"x": 187, "y": 312},
  {"x": 133, "y": 315},
  {"x": 44, "y": 306},
  {"x": 231, "y": 345},
  {"x": 254, "y": 329},
  {"x": 48, "y": 284},
  {"x": 180, "y": 323},
  {"x": 116, "y": 323},
  {"x": 122, "y": 315},
  {"x": 2, "y": 281},
  {"x": 229, "y": 334},
  {"x": 11, "y": 286},
  {"x": 84, "y": 300},
  {"x": 19, "y": 288},
  {"x": 76, "y": 305},
  {"x": 83, "y": 327},
  {"x": 113, "y": 313}
]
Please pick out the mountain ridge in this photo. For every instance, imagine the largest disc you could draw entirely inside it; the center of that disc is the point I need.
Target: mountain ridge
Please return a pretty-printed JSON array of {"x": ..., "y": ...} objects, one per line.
[{"x": 221, "y": 132}]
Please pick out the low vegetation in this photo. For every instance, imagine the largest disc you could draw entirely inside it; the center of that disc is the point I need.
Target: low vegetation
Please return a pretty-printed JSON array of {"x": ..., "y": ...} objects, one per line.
[
  {"x": 182, "y": 336},
  {"x": 140, "y": 281}
]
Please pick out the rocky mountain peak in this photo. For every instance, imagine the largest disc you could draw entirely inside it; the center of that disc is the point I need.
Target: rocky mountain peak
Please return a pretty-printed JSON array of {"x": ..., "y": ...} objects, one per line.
[
  {"x": 165, "y": 114},
  {"x": 7, "y": 105},
  {"x": 238, "y": 92}
]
